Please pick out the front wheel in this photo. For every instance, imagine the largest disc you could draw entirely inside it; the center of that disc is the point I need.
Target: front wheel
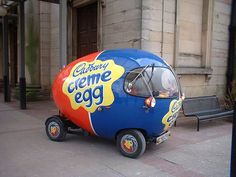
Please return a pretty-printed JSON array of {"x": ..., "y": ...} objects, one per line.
[
  {"x": 55, "y": 128},
  {"x": 131, "y": 143}
]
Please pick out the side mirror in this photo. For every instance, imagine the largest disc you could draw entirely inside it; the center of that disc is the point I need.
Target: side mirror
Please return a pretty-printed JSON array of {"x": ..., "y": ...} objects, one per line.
[{"x": 150, "y": 102}]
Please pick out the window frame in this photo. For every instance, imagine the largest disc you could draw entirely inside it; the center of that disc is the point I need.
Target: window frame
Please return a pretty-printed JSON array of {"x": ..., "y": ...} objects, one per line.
[{"x": 156, "y": 97}]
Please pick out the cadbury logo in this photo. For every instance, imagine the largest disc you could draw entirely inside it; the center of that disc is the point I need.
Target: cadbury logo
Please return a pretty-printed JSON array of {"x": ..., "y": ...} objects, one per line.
[
  {"x": 82, "y": 69},
  {"x": 89, "y": 84}
]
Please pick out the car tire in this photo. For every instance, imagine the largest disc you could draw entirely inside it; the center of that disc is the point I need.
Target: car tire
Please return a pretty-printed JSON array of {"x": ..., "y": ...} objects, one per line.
[
  {"x": 131, "y": 143},
  {"x": 55, "y": 128}
]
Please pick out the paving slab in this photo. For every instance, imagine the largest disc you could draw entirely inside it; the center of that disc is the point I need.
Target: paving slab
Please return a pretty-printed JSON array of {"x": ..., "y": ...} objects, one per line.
[{"x": 25, "y": 150}]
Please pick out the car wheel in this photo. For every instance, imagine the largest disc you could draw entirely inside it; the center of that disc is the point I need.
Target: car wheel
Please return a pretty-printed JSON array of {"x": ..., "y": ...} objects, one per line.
[
  {"x": 131, "y": 143},
  {"x": 55, "y": 129}
]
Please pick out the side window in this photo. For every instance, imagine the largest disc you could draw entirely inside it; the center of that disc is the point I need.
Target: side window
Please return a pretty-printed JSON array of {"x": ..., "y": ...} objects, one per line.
[
  {"x": 138, "y": 88},
  {"x": 157, "y": 81}
]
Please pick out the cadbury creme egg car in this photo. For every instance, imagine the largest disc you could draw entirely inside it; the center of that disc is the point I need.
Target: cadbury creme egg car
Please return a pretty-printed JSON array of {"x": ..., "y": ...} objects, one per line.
[{"x": 129, "y": 95}]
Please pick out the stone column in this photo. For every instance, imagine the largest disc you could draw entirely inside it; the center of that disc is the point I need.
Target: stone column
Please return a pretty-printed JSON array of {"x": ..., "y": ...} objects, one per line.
[
  {"x": 32, "y": 43},
  {"x": 158, "y": 20},
  {"x": 32, "y": 51},
  {"x": 45, "y": 24},
  {"x": 152, "y": 36}
]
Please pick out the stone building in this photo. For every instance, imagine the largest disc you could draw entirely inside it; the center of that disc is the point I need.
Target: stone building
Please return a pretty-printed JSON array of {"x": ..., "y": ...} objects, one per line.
[{"x": 192, "y": 36}]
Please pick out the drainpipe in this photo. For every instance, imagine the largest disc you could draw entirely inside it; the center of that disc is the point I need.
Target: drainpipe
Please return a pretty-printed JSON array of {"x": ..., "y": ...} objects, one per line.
[
  {"x": 176, "y": 35},
  {"x": 141, "y": 26},
  {"x": 63, "y": 33},
  {"x": 162, "y": 27}
]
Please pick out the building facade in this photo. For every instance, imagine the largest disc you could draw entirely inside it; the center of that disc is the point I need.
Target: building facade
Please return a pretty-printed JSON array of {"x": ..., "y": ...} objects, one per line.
[{"x": 192, "y": 36}]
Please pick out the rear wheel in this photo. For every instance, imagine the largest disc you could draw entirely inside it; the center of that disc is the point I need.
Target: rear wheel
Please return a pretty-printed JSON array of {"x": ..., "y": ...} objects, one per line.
[
  {"x": 131, "y": 143},
  {"x": 55, "y": 129}
]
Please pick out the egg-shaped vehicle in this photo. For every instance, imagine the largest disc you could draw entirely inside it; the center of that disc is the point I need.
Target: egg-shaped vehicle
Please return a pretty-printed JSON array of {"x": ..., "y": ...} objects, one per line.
[{"x": 129, "y": 95}]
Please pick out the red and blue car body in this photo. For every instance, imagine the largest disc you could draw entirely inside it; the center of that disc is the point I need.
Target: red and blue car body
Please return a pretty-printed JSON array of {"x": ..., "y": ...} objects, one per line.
[{"x": 91, "y": 93}]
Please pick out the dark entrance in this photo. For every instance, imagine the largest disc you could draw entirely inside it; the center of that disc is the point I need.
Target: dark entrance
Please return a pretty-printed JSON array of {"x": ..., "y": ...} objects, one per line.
[{"x": 87, "y": 30}]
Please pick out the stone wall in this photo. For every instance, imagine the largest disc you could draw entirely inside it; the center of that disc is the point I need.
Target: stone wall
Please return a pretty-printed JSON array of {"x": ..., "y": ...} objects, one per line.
[
  {"x": 158, "y": 22},
  {"x": 215, "y": 83},
  {"x": 156, "y": 26},
  {"x": 49, "y": 42},
  {"x": 152, "y": 26},
  {"x": 32, "y": 42},
  {"x": 220, "y": 42},
  {"x": 190, "y": 33},
  {"x": 45, "y": 44},
  {"x": 168, "y": 31},
  {"x": 54, "y": 42},
  {"x": 121, "y": 24}
]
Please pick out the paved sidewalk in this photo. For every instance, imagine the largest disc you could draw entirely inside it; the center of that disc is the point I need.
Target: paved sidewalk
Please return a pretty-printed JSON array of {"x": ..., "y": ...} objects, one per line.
[{"x": 25, "y": 150}]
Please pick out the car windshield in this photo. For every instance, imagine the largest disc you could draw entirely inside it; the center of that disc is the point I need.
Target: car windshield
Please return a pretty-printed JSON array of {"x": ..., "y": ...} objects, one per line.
[{"x": 151, "y": 81}]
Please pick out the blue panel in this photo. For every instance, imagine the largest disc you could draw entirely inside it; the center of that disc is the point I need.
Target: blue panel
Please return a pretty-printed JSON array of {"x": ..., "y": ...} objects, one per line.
[
  {"x": 127, "y": 111},
  {"x": 142, "y": 58}
]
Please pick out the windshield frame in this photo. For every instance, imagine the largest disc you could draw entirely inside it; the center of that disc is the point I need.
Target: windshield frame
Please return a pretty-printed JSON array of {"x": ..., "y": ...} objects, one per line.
[{"x": 143, "y": 69}]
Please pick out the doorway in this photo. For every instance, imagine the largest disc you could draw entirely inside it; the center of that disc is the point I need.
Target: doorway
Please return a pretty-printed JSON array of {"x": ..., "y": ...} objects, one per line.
[{"x": 87, "y": 29}]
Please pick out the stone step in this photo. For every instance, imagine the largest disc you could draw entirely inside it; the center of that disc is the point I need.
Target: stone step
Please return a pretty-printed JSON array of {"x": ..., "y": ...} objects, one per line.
[{"x": 33, "y": 93}]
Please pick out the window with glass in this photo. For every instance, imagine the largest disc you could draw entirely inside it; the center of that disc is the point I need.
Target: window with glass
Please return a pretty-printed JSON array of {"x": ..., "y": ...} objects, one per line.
[{"x": 151, "y": 81}]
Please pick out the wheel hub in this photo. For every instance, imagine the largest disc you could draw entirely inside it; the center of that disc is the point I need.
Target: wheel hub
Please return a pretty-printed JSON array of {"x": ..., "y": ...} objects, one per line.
[
  {"x": 54, "y": 129},
  {"x": 129, "y": 143}
]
